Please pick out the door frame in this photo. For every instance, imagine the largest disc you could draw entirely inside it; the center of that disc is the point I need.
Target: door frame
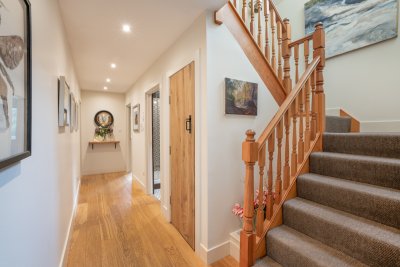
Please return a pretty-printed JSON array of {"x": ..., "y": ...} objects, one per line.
[
  {"x": 129, "y": 137},
  {"x": 149, "y": 138},
  {"x": 200, "y": 133}
]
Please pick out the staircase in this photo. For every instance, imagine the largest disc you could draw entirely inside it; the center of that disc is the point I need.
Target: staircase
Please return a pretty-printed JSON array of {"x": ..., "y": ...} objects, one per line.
[
  {"x": 331, "y": 197},
  {"x": 347, "y": 209}
]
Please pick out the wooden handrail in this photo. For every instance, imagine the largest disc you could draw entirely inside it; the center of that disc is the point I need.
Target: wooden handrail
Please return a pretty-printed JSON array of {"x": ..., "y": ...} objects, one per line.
[
  {"x": 288, "y": 101},
  {"x": 301, "y": 40}
]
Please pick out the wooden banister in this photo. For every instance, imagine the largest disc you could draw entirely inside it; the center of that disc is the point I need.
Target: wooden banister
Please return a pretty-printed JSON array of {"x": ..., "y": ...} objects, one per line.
[
  {"x": 228, "y": 16},
  {"x": 288, "y": 101},
  {"x": 301, "y": 40},
  {"x": 283, "y": 149}
]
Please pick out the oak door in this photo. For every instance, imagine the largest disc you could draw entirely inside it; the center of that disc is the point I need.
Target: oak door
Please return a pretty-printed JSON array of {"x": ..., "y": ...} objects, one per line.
[{"x": 182, "y": 152}]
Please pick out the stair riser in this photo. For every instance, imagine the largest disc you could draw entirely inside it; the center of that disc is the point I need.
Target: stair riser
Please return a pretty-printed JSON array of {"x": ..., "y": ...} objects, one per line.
[
  {"x": 337, "y": 124},
  {"x": 373, "y": 207},
  {"x": 363, "y": 144},
  {"x": 371, "y": 251},
  {"x": 286, "y": 256},
  {"x": 381, "y": 173}
]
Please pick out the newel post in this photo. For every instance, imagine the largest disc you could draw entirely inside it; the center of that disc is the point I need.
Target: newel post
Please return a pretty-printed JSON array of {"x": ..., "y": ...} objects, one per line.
[
  {"x": 247, "y": 236},
  {"x": 286, "y": 53},
  {"x": 319, "y": 50}
]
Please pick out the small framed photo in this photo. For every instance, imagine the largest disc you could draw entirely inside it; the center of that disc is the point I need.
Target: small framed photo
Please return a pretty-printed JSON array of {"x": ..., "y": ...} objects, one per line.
[
  {"x": 136, "y": 118},
  {"x": 64, "y": 98},
  {"x": 15, "y": 81}
]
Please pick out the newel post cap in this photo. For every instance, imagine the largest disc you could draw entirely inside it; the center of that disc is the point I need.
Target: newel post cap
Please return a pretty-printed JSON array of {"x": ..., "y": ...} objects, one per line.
[{"x": 250, "y": 148}]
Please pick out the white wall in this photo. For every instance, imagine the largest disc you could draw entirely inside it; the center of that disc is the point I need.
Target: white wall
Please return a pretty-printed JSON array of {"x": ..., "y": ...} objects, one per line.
[
  {"x": 190, "y": 46},
  {"x": 37, "y": 195},
  {"x": 364, "y": 82},
  {"x": 225, "y": 58},
  {"x": 103, "y": 158}
]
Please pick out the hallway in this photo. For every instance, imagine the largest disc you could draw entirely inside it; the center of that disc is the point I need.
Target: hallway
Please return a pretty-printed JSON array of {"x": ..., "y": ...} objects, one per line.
[{"x": 117, "y": 224}]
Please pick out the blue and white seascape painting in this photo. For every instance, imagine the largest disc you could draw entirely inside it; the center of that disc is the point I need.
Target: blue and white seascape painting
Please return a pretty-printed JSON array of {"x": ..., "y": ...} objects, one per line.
[{"x": 352, "y": 24}]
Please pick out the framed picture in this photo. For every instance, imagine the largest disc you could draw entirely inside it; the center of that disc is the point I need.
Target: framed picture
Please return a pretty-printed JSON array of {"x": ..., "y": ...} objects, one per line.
[
  {"x": 72, "y": 108},
  {"x": 136, "y": 118},
  {"x": 352, "y": 24},
  {"x": 240, "y": 97},
  {"x": 15, "y": 81},
  {"x": 63, "y": 103},
  {"x": 104, "y": 118}
]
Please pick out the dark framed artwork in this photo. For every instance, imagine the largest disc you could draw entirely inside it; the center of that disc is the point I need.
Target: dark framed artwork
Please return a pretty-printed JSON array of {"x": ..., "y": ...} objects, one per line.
[
  {"x": 136, "y": 118},
  {"x": 240, "y": 97},
  {"x": 15, "y": 81},
  {"x": 64, "y": 105},
  {"x": 104, "y": 118}
]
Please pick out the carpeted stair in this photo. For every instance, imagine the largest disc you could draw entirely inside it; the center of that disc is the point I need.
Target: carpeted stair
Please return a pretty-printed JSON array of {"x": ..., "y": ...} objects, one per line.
[{"x": 347, "y": 210}]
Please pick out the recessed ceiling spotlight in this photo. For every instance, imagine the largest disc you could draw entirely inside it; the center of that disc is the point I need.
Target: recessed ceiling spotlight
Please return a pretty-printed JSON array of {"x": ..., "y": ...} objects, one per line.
[
  {"x": 113, "y": 65},
  {"x": 108, "y": 80},
  {"x": 105, "y": 88},
  {"x": 126, "y": 28}
]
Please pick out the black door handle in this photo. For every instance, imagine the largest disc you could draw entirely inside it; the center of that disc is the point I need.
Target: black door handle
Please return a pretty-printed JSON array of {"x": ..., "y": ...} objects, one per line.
[{"x": 189, "y": 124}]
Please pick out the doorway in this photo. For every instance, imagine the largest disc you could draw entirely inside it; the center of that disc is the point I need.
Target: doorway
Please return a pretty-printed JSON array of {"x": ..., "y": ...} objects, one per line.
[
  {"x": 182, "y": 152},
  {"x": 155, "y": 144}
]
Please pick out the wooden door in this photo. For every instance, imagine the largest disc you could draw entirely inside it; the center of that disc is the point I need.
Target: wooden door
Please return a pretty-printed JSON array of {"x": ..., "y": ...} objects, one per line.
[{"x": 182, "y": 152}]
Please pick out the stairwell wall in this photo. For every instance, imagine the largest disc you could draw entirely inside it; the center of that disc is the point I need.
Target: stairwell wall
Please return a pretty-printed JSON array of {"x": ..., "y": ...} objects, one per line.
[
  {"x": 226, "y": 170},
  {"x": 364, "y": 82}
]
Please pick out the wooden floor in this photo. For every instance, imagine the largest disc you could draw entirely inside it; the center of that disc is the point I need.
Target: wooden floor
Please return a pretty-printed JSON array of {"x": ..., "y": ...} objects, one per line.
[{"x": 117, "y": 224}]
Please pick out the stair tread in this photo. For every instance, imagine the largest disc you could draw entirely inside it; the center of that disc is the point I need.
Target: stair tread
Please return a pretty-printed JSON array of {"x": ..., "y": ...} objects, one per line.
[
  {"x": 380, "y": 204},
  {"x": 373, "y": 190},
  {"x": 361, "y": 168},
  {"x": 358, "y": 157},
  {"x": 373, "y": 144},
  {"x": 267, "y": 262},
  {"x": 364, "y": 239},
  {"x": 302, "y": 250}
]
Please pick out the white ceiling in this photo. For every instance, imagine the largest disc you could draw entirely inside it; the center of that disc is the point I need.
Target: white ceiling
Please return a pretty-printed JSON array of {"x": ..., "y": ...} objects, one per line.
[{"x": 94, "y": 33}]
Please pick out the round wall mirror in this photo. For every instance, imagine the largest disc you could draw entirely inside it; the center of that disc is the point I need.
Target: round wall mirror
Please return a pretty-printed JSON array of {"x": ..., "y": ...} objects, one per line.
[{"x": 104, "y": 118}]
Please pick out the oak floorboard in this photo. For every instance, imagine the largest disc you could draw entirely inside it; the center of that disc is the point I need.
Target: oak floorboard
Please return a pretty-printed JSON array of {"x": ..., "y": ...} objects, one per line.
[{"x": 117, "y": 224}]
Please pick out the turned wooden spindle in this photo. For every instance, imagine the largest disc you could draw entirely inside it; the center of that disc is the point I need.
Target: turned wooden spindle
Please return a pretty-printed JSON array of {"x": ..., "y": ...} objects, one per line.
[
  {"x": 314, "y": 107},
  {"x": 251, "y": 17},
  {"x": 294, "y": 138},
  {"x": 278, "y": 183},
  {"x": 286, "y": 51},
  {"x": 234, "y": 3},
  {"x": 260, "y": 211},
  {"x": 270, "y": 199},
  {"x": 266, "y": 16},
  {"x": 319, "y": 50},
  {"x": 247, "y": 237},
  {"x": 306, "y": 53},
  {"x": 279, "y": 50},
  {"x": 307, "y": 134},
  {"x": 300, "y": 155},
  {"x": 296, "y": 62},
  {"x": 244, "y": 10},
  {"x": 286, "y": 168},
  {"x": 273, "y": 52},
  {"x": 259, "y": 37}
]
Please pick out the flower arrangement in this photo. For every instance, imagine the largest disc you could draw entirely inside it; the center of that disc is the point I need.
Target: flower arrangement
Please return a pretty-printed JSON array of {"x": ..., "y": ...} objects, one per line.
[
  {"x": 103, "y": 131},
  {"x": 238, "y": 210}
]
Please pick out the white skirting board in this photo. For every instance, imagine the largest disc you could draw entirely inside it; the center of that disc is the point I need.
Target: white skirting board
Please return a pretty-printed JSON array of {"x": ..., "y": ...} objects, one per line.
[
  {"x": 67, "y": 242},
  {"x": 214, "y": 254},
  {"x": 380, "y": 126},
  {"x": 142, "y": 185},
  {"x": 234, "y": 249}
]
